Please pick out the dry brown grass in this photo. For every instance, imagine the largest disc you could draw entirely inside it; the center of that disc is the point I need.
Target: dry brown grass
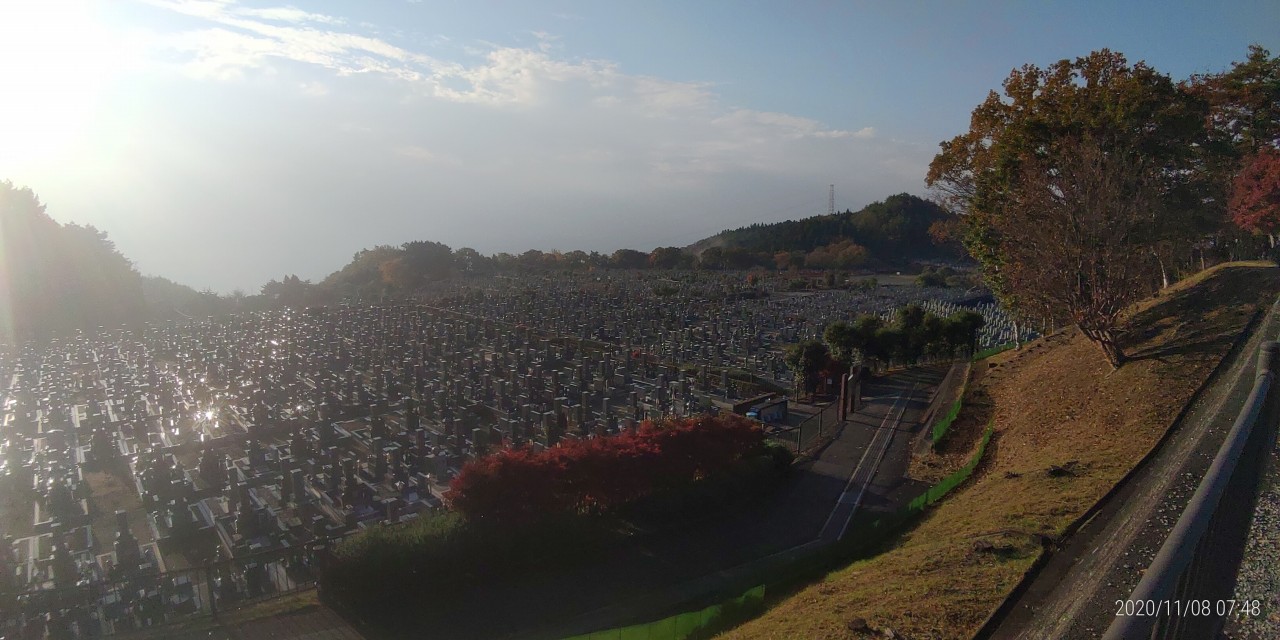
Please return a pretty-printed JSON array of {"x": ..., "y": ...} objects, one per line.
[{"x": 1056, "y": 404}]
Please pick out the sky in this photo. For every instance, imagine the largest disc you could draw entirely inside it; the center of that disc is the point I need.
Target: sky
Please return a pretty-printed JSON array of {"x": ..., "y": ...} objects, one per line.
[{"x": 224, "y": 143}]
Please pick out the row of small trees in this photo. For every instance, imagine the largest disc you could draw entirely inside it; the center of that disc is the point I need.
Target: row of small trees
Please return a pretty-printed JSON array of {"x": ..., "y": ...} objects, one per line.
[
  {"x": 914, "y": 334},
  {"x": 520, "y": 486}
]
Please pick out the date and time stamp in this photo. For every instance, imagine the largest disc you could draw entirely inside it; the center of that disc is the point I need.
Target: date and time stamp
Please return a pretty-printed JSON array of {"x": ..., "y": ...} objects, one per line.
[{"x": 1239, "y": 609}]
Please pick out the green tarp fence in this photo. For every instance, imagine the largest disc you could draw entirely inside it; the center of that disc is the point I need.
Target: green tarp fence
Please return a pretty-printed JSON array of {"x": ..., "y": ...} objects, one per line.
[
  {"x": 940, "y": 427},
  {"x": 991, "y": 351},
  {"x": 937, "y": 491},
  {"x": 679, "y": 627}
]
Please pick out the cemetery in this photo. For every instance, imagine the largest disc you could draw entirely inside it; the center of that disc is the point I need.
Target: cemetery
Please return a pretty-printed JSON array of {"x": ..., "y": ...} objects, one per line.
[{"x": 182, "y": 468}]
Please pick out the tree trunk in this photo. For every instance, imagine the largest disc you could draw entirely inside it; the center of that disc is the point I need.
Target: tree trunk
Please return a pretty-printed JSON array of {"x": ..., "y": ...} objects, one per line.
[
  {"x": 1115, "y": 356},
  {"x": 1106, "y": 341}
]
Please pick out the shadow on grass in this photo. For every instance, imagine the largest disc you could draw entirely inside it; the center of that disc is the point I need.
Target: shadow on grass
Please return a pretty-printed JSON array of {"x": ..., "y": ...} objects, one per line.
[{"x": 1180, "y": 325}]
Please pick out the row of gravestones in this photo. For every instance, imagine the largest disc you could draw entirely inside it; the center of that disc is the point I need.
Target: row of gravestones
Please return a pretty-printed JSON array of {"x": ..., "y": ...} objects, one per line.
[
  {"x": 681, "y": 325},
  {"x": 531, "y": 360},
  {"x": 456, "y": 373}
]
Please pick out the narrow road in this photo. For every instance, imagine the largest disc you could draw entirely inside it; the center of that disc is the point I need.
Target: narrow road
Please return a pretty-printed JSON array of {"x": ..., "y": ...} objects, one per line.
[
  {"x": 1074, "y": 595},
  {"x": 872, "y": 455}
]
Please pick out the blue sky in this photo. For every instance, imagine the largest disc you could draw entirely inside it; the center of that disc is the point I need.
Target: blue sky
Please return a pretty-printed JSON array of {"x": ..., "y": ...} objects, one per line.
[{"x": 225, "y": 143}]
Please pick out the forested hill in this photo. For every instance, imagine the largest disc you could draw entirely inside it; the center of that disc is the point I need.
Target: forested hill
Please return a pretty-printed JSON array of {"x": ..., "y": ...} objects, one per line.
[
  {"x": 59, "y": 278},
  {"x": 896, "y": 229}
]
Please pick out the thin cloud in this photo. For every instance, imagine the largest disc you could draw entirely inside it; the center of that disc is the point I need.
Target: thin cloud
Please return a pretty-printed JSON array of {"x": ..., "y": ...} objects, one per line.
[
  {"x": 290, "y": 14},
  {"x": 546, "y": 41},
  {"x": 423, "y": 154},
  {"x": 494, "y": 146},
  {"x": 314, "y": 89},
  {"x": 700, "y": 136}
]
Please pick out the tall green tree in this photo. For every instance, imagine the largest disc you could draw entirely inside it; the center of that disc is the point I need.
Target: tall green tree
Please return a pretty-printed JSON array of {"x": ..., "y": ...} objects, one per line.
[
  {"x": 806, "y": 361},
  {"x": 1244, "y": 101},
  {"x": 865, "y": 328},
  {"x": 841, "y": 341},
  {"x": 629, "y": 259},
  {"x": 670, "y": 258},
  {"x": 427, "y": 261},
  {"x": 468, "y": 261},
  {"x": 962, "y": 329},
  {"x": 711, "y": 258}
]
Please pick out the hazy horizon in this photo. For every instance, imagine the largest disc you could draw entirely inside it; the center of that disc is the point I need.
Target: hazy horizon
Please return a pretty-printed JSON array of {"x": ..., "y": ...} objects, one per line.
[{"x": 222, "y": 144}]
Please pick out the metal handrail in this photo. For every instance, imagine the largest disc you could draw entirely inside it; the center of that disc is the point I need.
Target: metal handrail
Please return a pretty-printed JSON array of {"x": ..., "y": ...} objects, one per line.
[{"x": 1162, "y": 577}]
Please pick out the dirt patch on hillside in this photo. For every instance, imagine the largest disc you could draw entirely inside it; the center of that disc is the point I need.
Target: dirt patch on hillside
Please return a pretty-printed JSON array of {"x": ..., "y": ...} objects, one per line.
[{"x": 1067, "y": 428}]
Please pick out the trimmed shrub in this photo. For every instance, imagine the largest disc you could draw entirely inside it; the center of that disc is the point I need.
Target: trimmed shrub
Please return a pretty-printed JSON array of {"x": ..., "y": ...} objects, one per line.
[{"x": 519, "y": 486}]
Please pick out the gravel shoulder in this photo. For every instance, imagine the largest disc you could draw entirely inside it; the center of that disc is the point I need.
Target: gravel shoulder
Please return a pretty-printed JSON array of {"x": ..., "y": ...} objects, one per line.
[
  {"x": 1074, "y": 595},
  {"x": 1258, "y": 578}
]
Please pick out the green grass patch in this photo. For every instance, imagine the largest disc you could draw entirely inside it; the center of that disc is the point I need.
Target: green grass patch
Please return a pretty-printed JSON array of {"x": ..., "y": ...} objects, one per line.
[{"x": 991, "y": 351}]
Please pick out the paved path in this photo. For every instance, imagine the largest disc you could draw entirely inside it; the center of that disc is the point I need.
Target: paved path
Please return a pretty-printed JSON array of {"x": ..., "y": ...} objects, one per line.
[{"x": 1074, "y": 595}]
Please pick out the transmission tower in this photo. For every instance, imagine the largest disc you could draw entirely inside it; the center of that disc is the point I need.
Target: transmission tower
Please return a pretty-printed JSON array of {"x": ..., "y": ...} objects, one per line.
[{"x": 831, "y": 200}]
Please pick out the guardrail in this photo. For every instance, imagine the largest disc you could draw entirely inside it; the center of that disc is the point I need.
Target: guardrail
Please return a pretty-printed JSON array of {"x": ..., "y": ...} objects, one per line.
[{"x": 1187, "y": 592}]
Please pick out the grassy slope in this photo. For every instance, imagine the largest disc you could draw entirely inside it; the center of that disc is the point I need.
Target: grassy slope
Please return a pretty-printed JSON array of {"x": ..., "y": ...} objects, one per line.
[{"x": 1055, "y": 403}]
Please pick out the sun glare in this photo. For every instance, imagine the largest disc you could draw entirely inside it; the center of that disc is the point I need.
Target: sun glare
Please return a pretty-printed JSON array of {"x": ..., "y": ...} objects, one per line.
[{"x": 55, "y": 59}]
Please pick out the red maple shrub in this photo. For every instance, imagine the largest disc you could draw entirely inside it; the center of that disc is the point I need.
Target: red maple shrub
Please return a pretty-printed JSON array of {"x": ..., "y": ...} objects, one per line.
[
  {"x": 517, "y": 486},
  {"x": 1255, "y": 194}
]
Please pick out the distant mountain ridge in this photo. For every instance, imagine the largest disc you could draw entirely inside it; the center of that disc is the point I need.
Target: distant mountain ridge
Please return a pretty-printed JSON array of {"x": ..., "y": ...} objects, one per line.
[
  {"x": 895, "y": 229},
  {"x": 66, "y": 277}
]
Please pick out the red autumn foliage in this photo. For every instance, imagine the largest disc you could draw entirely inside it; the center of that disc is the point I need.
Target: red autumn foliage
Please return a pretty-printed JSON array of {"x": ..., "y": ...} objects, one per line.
[
  {"x": 1255, "y": 193},
  {"x": 518, "y": 486}
]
